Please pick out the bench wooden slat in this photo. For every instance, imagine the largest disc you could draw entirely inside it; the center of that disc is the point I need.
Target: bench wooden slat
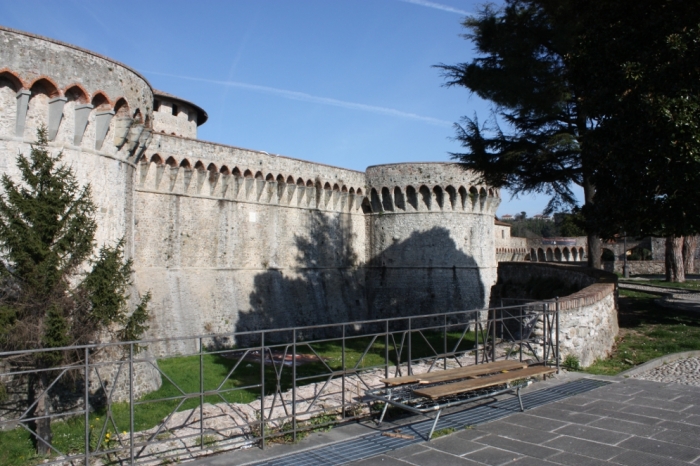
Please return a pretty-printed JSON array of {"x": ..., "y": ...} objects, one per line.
[
  {"x": 458, "y": 373},
  {"x": 482, "y": 382}
]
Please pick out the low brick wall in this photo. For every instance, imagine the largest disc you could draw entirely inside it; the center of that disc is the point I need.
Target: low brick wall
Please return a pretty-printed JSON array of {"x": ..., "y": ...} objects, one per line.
[{"x": 588, "y": 318}]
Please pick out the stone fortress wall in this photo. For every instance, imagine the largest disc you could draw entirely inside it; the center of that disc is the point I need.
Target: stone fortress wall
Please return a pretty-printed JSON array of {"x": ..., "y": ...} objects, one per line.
[{"x": 229, "y": 239}]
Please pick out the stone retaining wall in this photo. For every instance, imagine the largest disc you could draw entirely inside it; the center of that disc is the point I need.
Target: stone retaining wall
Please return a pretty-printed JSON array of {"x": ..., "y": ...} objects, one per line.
[
  {"x": 636, "y": 267},
  {"x": 588, "y": 318}
]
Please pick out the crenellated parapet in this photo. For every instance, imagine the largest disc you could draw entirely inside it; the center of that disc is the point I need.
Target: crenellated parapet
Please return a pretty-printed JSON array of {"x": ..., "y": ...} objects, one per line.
[
  {"x": 85, "y": 101},
  {"x": 427, "y": 187}
]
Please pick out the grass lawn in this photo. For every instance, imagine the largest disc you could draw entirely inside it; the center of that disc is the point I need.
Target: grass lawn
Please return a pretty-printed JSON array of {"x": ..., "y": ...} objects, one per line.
[
  {"x": 687, "y": 285},
  {"x": 16, "y": 446},
  {"x": 647, "y": 331}
]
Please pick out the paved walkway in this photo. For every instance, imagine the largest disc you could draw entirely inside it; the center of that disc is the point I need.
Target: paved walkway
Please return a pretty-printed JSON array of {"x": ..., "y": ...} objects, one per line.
[{"x": 572, "y": 420}]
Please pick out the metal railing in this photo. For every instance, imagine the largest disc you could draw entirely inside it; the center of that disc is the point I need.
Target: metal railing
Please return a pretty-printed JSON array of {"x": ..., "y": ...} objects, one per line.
[{"x": 228, "y": 391}]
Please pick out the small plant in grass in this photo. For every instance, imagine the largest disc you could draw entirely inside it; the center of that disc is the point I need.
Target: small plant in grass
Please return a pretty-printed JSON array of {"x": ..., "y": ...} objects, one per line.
[
  {"x": 572, "y": 363},
  {"x": 206, "y": 441},
  {"x": 443, "y": 432}
]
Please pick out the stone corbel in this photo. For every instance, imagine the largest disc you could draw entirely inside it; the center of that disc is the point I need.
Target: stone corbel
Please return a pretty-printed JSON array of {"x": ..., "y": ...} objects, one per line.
[
  {"x": 144, "y": 140},
  {"x": 82, "y": 112},
  {"x": 55, "y": 115},
  {"x": 121, "y": 130},
  {"x": 133, "y": 138},
  {"x": 102, "y": 121},
  {"x": 22, "y": 106}
]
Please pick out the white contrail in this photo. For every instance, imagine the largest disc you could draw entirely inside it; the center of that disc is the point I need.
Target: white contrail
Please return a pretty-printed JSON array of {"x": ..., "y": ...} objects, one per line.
[
  {"x": 294, "y": 95},
  {"x": 438, "y": 6}
]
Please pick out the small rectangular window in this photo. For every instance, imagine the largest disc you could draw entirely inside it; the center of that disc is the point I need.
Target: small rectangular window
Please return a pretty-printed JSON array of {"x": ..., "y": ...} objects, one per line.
[
  {"x": 156, "y": 105},
  {"x": 175, "y": 110}
]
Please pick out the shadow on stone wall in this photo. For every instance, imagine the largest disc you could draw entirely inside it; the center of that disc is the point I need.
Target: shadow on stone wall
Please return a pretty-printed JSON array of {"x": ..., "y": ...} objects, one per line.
[
  {"x": 326, "y": 285},
  {"x": 424, "y": 274}
]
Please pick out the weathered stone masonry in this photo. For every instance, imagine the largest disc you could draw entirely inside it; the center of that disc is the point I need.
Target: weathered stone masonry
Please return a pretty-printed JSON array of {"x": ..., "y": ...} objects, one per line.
[{"x": 229, "y": 239}]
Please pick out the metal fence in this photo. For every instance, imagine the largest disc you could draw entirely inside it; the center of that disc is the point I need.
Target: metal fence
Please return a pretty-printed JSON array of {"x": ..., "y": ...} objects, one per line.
[{"x": 117, "y": 404}]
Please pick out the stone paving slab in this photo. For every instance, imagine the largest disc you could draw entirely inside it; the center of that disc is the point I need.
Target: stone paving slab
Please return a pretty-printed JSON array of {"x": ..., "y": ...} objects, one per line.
[{"x": 579, "y": 430}]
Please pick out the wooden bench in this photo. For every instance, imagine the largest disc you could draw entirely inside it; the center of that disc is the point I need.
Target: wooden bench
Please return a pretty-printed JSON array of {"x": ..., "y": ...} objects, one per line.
[{"x": 434, "y": 391}]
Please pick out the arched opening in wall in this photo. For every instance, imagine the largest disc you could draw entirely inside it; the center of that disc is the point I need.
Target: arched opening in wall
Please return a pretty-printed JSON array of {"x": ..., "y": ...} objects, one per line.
[
  {"x": 352, "y": 191},
  {"x": 412, "y": 197},
  {"x": 566, "y": 254},
  {"x": 426, "y": 198},
  {"x": 574, "y": 255},
  {"x": 224, "y": 170},
  {"x": 121, "y": 108},
  {"x": 439, "y": 196},
  {"x": 258, "y": 176},
  {"x": 376, "y": 202},
  {"x": 171, "y": 162},
  {"x": 463, "y": 196},
  {"x": 138, "y": 118},
  {"x": 157, "y": 159},
  {"x": 300, "y": 182},
  {"x": 199, "y": 166},
  {"x": 327, "y": 187},
  {"x": 100, "y": 102},
  {"x": 213, "y": 172},
  {"x": 533, "y": 255},
  {"x": 399, "y": 200},
  {"x": 269, "y": 177},
  {"x": 344, "y": 189},
  {"x": 237, "y": 172},
  {"x": 76, "y": 94},
  {"x": 473, "y": 196},
  {"x": 9, "y": 86},
  {"x": 290, "y": 180},
  {"x": 366, "y": 207},
  {"x": 608, "y": 255},
  {"x": 336, "y": 188},
  {"x": 387, "y": 202},
  {"x": 550, "y": 255},
  {"x": 541, "y": 256},
  {"x": 581, "y": 254},
  {"x": 45, "y": 87},
  {"x": 280, "y": 179},
  {"x": 359, "y": 192},
  {"x": 483, "y": 194},
  {"x": 248, "y": 174},
  {"x": 10, "y": 81},
  {"x": 452, "y": 196},
  {"x": 185, "y": 164},
  {"x": 490, "y": 192},
  {"x": 557, "y": 254},
  {"x": 309, "y": 184}
]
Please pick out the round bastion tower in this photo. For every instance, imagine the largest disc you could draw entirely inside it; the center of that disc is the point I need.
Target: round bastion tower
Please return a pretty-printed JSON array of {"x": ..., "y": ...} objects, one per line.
[
  {"x": 430, "y": 239},
  {"x": 97, "y": 111}
]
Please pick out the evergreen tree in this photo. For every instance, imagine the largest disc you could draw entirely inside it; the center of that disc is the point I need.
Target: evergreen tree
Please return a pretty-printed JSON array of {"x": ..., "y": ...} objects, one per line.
[
  {"x": 522, "y": 69},
  {"x": 55, "y": 290}
]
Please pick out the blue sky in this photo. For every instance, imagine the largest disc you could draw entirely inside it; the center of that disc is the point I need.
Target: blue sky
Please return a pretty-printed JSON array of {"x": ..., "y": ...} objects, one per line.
[{"x": 343, "y": 82}]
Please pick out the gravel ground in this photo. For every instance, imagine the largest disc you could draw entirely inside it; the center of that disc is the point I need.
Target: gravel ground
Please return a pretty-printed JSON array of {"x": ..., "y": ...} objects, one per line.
[{"x": 683, "y": 371}]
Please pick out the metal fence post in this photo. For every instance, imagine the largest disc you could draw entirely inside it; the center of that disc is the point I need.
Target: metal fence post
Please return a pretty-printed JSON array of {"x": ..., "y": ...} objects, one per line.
[
  {"x": 294, "y": 385},
  {"x": 556, "y": 317},
  {"x": 87, "y": 408},
  {"x": 386, "y": 349},
  {"x": 262, "y": 390},
  {"x": 410, "y": 352},
  {"x": 201, "y": 394},
  {"x": 131, "y": 403},
  {"x": 342, "y": 368}
]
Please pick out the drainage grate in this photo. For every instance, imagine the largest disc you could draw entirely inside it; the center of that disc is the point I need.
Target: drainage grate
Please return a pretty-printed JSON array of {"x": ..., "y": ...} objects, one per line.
[{"x": 375, "y": 444}]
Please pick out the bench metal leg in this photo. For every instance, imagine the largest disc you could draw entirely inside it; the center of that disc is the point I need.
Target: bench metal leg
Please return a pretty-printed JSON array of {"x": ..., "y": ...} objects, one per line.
[
  {"x": 432, "y": 429},
  {"x": 520, "y": 400},
  {"x": 386, "y": 405}
]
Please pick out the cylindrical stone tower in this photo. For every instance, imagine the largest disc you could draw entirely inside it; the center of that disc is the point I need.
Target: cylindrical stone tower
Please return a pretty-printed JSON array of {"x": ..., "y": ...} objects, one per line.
[
  {"x": 430, "y": 239},
  {"x": 98, "y": 112}
]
